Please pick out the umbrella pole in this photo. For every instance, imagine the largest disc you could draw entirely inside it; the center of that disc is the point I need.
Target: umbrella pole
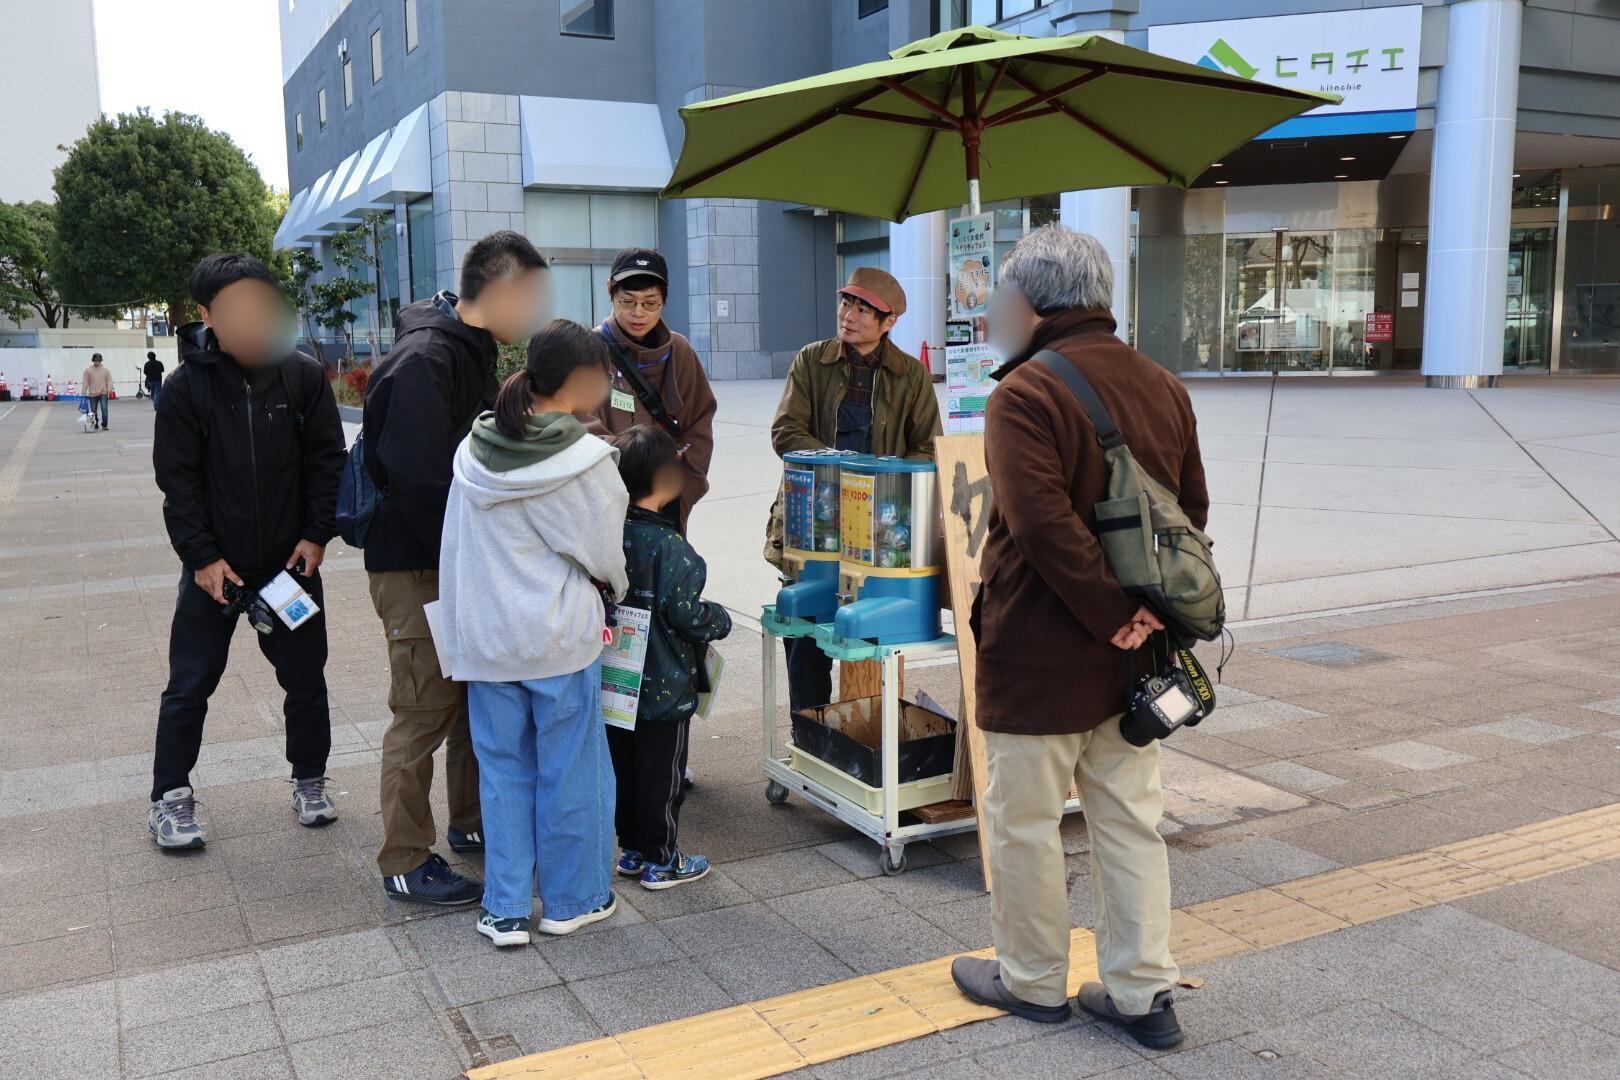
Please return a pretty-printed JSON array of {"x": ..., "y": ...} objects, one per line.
[{"x": 972, "y": 128}]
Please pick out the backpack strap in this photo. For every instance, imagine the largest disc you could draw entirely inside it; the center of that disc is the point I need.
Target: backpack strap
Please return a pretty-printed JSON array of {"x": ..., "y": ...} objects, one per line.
[
  {"x": 1108, "y": 434},
  {"x": 649, "y": 398}
]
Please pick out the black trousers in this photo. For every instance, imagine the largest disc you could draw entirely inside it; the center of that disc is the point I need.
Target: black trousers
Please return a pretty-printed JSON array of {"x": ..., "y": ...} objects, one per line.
[
  {"x": 199, "y": 646},
  {"x": 649, "y": 764},
  {"x": 809, "y": 673}
]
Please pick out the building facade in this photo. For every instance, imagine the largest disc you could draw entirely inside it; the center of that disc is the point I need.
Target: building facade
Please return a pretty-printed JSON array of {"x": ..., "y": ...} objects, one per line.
[
  {"x": 1455, "y": 216},
  {"x": 48, "y": 80}
]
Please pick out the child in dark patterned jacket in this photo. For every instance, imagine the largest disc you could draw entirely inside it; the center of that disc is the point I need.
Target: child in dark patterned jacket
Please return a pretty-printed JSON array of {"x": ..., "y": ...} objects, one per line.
[{"x": 666, "y": 579}]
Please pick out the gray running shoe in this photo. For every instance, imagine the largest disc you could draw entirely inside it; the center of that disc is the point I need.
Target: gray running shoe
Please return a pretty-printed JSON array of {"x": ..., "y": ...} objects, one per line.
[
  {"x": 173, "y": 822},
  {"x": 315, "y": 807}
]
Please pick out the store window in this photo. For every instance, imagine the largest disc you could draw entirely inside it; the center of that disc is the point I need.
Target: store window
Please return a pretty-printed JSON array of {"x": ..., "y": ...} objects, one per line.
[
  {"x": 376, "y": 56},
  {"x": 587, "y": 18},
  {"x": 348, "y": 84},
  {"x": 1590, "y": 333},
  {"x": 411, "y": 39},
  {"x": 423, "y": 249},
  {"x": 320, "y": 107},
  {"x": 862, "y": 241},
  {"x": 581, "y": 231},
  {"x": 1279, "y": 289}
]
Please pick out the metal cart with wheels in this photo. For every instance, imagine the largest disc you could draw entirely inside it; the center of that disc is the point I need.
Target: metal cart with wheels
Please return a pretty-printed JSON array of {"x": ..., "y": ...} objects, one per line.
[{"x": 883, "y": 827}]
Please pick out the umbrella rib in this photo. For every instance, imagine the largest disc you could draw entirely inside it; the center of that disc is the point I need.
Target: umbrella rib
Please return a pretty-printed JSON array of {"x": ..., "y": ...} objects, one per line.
[
  {"x": 1249, "y": 86},
  {"x": 1100, "y": 131},
  {"x": 791, "y": 133},
  {"x": 1011, "y": 112},
  {"x": 995, "y": 81},
  {"x": 927, "y": 151},
  {"x": 897, "y": 118},
  {"x": 911, "y": 95}
]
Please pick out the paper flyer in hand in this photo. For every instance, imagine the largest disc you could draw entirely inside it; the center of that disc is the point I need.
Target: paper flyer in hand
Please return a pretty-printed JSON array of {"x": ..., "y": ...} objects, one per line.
[
  {"x": 622, "y": 664},
  {"x": 714, "y": 665}
]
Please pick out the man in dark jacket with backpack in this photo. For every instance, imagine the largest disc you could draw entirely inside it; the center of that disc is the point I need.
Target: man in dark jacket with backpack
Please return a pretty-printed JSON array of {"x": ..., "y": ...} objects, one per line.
[
  {"x": 1055, "y": 634},
  {"x": 420, "y": 404},
  {"x": 248, "y": 450}
]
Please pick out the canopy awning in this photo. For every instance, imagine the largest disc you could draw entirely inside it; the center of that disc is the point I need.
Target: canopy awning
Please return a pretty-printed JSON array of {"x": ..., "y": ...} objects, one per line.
[
  {"x": 585, "y": 143},
  {"x": 394, "y": 166}
]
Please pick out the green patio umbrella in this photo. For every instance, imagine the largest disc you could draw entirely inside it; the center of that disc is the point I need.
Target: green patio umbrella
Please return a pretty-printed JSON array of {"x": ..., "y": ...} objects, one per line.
[{"x": 975, "y": 113}]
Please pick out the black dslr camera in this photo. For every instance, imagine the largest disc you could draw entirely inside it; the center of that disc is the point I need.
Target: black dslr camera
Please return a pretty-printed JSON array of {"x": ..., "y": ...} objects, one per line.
[
  {"x": 1169, "y": 698},
  {"x": 243, "y": 601}
]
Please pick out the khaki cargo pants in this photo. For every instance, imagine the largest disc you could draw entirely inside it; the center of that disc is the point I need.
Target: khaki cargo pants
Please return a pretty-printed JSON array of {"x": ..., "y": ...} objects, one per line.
[
  {"x": 1029, "y": 780},
  {"x": 429, "y": 711}
]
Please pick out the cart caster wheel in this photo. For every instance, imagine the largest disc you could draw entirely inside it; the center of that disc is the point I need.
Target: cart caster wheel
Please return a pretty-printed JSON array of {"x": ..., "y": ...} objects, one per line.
[
  {"x": 894, "y": 863},
  {"x": 775, "y": 793}
]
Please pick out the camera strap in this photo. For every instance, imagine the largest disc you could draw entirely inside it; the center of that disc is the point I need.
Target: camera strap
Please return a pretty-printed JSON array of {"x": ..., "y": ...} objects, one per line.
[
  {"x": 1162, "y": 646},
  {"x": 649, "y": 398}
]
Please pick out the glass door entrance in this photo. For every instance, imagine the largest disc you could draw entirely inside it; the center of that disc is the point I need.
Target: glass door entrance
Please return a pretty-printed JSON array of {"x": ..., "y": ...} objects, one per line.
[
  {"x": 1279, "y": 293},
  {"x": 1527, "y": 337}
]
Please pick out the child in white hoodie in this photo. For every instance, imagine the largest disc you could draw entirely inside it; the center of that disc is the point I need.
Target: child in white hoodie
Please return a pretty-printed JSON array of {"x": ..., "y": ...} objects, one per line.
[{"x": 533, "y": 537}]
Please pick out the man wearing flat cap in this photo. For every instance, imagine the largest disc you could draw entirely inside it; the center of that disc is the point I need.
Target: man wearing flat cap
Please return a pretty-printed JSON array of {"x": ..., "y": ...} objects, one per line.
[{"x": 857, "y": 391}]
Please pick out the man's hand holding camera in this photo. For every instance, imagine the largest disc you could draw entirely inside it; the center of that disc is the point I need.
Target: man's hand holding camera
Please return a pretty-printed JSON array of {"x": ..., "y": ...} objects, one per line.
[
  {"x": 211, "y": 579},
  {"x": 1134, "y": 634}
]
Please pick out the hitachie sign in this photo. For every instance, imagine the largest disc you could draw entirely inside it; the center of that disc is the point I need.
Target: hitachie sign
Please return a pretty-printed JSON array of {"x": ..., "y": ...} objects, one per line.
[{"x": 1369, "y": 56}]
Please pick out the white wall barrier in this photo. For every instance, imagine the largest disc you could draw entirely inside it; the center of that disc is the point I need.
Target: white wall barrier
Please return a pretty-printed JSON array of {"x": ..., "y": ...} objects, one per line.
[{"x": 63, "y": 365}]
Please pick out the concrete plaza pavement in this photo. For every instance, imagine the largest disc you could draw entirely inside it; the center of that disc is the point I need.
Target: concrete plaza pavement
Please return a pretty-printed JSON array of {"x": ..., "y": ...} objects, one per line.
[{"x": 1394, "y": 723}]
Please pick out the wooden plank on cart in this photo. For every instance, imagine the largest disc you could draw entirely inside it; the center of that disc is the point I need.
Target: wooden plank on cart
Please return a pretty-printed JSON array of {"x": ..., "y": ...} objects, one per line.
[{"x": 964, "y": 493}]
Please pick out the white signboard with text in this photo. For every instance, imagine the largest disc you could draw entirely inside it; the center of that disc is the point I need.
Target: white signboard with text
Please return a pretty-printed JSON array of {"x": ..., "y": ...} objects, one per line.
[{"x": 1367, "y": 56}]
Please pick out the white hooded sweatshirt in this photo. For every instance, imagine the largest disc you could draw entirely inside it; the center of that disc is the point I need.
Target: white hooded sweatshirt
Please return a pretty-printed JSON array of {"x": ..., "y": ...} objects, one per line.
[{"x": 519, "y": 552}]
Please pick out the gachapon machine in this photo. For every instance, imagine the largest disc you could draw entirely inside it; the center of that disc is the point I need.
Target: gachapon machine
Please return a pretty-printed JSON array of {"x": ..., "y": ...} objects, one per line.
[
  {"x": 891, "y": 565},
  {"x": 811, "y": 540}
]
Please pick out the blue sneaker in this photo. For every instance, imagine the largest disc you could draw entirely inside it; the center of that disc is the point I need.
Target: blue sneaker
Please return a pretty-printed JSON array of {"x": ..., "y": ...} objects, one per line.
[
  {"x": 434, "y": 883},
  {"x": 678, "y": 871},
  {"x": 464, "y": 841},
  {"x": 503, "y": 932},
  {"x": 631, "y": 863}
]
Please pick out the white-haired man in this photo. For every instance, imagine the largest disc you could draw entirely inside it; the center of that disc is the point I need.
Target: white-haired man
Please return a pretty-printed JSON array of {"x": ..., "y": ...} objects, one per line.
[{"x": 1055, "y": 631}]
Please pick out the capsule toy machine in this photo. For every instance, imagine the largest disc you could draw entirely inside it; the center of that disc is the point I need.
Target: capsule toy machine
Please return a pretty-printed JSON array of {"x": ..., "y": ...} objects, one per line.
[
  {"x": 810, "y": 534},
  {"x": 892, "y": 565}
]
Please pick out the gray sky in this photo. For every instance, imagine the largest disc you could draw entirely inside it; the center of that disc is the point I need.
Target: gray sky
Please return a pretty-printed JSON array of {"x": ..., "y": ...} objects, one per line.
[{"x": 219, "y": 59}]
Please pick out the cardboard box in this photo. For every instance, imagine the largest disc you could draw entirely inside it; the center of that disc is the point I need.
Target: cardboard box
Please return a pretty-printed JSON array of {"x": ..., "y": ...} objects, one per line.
[{"x": 847, "y": 736}]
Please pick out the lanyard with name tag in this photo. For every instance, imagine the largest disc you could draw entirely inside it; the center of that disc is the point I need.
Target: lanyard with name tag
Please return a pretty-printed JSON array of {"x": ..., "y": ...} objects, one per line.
[{"x": 623, "y": 400}]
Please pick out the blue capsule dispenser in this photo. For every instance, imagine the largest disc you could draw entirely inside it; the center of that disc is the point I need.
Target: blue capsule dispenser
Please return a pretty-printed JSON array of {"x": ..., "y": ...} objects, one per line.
[
  {"x": 811, "y": 538},
  {"x": 891, "y": 565}
]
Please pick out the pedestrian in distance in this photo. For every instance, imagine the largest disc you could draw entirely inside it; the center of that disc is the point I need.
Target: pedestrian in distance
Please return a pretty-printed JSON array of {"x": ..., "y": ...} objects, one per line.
[
  {"x": 532, "y": 549},
  {"x": 857, "y": 391},
  {"x": 153, "y": 374},
  {"x": 97, "y": 384},
  {"x": 666, "y": 580},
  {"x": 1057, "y": 638},
  {"x": 248, "y": 450},
  {"x": 654, "y": 366},
  {"x": 420, "y": 404}
]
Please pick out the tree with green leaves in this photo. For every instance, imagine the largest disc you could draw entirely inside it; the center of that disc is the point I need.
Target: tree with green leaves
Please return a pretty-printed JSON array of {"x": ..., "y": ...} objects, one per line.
[
  {"x": 141, "y": 200},
  {"x": 27, "y": 234},
  {"x": 298, "y": 270},
  {"x": 351, "y": 275}
]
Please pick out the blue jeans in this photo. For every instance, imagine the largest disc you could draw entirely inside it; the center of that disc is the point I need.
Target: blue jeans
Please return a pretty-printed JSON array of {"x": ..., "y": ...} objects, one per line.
[
  {"x": 99, "y": 404},
  {"x": 546, "y": 782},
  {"x": 153, "y": 386}
]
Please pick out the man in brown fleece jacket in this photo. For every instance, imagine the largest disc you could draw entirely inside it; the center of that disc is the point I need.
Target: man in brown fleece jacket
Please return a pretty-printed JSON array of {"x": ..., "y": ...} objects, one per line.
[
  {"x": 1055, "y": 633},
  {"x": 638, "y": 285}
]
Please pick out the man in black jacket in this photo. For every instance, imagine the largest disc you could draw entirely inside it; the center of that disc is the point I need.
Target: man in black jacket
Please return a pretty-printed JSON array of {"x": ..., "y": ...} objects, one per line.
[
  {"x": 420, "y": 404},
  {"x": 153, "y": 373},
  {"x": 248, "y": 450}
]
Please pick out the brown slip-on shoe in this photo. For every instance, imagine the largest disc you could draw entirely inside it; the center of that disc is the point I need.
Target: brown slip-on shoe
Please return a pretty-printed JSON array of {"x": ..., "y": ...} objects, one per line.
[{"x": 981, "y": 981}]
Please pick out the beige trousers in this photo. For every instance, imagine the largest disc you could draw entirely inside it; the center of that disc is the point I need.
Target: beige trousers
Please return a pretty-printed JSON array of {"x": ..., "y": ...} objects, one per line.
[{"x": 1029, "y": 779}]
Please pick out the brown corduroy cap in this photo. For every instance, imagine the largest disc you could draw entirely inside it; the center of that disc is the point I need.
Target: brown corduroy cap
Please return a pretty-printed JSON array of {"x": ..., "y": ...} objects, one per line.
[{"x": 876, "y": 287}]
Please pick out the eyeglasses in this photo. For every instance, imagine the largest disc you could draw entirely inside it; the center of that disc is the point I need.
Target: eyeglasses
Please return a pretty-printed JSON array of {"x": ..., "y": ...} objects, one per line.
[{"x": 652, "y": 305}]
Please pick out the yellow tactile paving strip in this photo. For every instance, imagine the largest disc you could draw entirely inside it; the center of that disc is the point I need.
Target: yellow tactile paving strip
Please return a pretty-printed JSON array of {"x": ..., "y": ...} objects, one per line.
[{"x": 781, "y": 1034}]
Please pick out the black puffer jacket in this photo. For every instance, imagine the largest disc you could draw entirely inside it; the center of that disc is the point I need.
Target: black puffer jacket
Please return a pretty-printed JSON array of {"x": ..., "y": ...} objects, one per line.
[
  {"x": 420, "y": 403},
  {"x": 667, "y": 578},
  {"x": 245, "y": 481}
]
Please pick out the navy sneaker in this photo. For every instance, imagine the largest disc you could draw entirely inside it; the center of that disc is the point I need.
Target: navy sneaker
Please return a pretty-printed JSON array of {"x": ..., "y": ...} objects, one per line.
[
  {"x": 464, "y": 841},
  {"x": 631, "y": 863},
  {"x": 678, "y": 871},
  {"x": 503, "y": 932},
  {"x": 434, "y": 883}
]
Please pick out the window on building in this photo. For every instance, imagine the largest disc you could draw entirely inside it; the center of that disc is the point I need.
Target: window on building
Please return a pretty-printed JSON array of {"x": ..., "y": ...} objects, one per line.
[
  {"x": 410, "y": 26},
  {"x": 423, "y": 248},
  {"x": 587, "y": 18},
  {"x": 955, "y": 14},
  {"x": 348, "y": 84},
  {"x": 376, "y": 56},
  {"x": 870, "y": 7},
  {"x": 862, "y": 241},
  {"x": 298, "y": 131},
  {"x": 320, "y": 107},
  {"x": 581, "y": 231}
]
